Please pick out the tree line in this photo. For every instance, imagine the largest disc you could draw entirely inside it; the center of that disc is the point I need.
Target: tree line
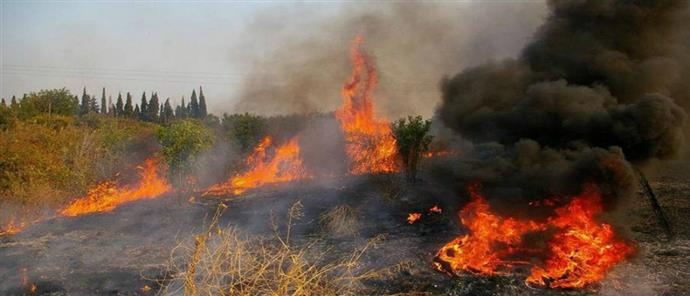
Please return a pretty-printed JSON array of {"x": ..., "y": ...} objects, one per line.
[{"x": 60, "y": 101}]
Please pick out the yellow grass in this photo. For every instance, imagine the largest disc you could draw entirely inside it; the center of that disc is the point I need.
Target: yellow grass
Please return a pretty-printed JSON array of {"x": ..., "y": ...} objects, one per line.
[{"x": 226, "y": 262}]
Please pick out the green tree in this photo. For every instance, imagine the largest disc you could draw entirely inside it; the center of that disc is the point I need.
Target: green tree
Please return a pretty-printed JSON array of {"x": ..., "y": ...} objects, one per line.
[
  {"x": 167, "y": 112},
  {"x": 4, "y": 104},
  {"x": 412, "y": 139},
  {"x": 244, "y": 130},
  {"x": 119, "y": 106},
  {"x": 129, "y": 108},
  {"x": 136, "y": 113},
  {"x": 13, "y": 103},
  {"x": 182, "y": 141},
  {"x": 194, "y": 106},
  {"x": 181, "y": 110},
  {"x": 84, "y": 106},
  {"x": 104, "y": 107},
  {"x": 153, "y": 108},
  {"x": 54, "y": 101},
  {"x": 144, "y": 112},
  {"x": 93, "y": 104},
  {"x": 202, "y": 103}
]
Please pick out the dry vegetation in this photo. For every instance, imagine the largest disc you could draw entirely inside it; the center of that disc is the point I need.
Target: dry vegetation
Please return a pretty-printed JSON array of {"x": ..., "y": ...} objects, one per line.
[{"x": 224, "y": 261}]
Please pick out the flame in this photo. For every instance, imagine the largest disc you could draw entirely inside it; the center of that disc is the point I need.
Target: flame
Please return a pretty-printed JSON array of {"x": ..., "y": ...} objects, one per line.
[
  {"x": 581, "y": 250},
  {"x": 369, "y": 141},
  {"x": 13, "y": 227},
  {"x": 285, "y": 165},
  {"x": 437, "y": 153},
  {"x": 436, "y": 209},
  {"x": 106, "y": 196},
  {"x": 413, "y": 217}
]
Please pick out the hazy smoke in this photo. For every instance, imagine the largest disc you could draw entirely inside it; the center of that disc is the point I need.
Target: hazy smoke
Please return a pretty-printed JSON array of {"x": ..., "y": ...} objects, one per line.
[
  {"x": 302, "y": 63},
  {"x": 597, "y": 74}
]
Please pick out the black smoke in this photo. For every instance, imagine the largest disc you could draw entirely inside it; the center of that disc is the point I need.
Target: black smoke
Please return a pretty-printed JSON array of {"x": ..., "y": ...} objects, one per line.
[{"x": 601, "y": 80}]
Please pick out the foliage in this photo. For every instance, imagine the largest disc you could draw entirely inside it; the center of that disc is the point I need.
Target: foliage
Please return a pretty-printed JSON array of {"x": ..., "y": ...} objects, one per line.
[
  {"x": 244, "y": 130},
  {"x": 412, "y": 138},
  {"x": 54, "y": 101},
  {"x": 182, "y": 141}
]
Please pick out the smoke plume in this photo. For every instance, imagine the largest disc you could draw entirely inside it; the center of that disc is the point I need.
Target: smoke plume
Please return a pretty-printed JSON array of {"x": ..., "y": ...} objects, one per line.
[
  {"x": 600, "y": 81},
  {"x": 415, "y": 45}
]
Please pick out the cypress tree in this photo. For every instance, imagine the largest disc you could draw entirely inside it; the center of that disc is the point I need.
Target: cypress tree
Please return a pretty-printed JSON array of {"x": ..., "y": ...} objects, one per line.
[
  {"x": 137, "y": 112},
  {"x": 194, "y": 106},
  {"x": 129, "y": 109},
  {"x": 202, "y": 103},
  {"x": 144, "y": 108},
  {"x": 13, "y": 103},
  {"x": 153, "y": 108},
  {"x": 4, "y": 105},
  {"x": 84, "y": 106},
  {"x": 166, "y": 112},
  {"x": 183, "y": 110},
  {"x": 93, "y": 104},
  {"x": 119, "y": 106},
  {"x": 104, "y": 107}
]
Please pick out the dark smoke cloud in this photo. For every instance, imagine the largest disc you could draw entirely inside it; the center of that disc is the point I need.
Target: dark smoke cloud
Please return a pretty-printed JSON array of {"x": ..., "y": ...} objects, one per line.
[
  {"x": 602, "y": 83},
  {"x": 301, "y": 65}
]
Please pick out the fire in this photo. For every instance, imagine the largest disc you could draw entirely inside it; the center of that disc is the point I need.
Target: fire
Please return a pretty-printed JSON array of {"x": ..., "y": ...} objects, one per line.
[
  {"x": 413, "y": 217},
  {"x": 491, "y": 238},
  {"x": 285, "y": 165},
  {"x": 369, "y": 141},
  {"x": 583, "y": 249},
  {"x": 13, "y": 227},
  {"x": 436, "y": 209},
  {"x": 580, "y": 252},
  {"x": 106, "y": 196}
]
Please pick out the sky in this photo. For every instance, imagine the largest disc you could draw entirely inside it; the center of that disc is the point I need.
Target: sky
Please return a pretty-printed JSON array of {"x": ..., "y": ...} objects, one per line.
[{"x": 170, "y": 47}]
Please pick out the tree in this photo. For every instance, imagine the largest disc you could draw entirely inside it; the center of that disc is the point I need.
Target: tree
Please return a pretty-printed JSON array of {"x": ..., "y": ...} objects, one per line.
[
  {"x": 84, "y": 106},
  {"x": 153, "y": 108},
  {"x": 136, "y": 113},
  {"x": 144, "y": 113},
  {"x": 13, "y": 103},
  {"x": 129, "y": 108},
  {"x": 166, "y": 112},
  {"x": 54, "y": 101},
  {"x": 104, "y": 107},
  {"x": 181, "y": 110},
  {"x": 93, "y": 104},
  {"x": 4, "y": 104},
  {"x": 182, "y": 141},
  {"x": 119, "y": 106},
  {"x": 202, "y": 103},
  {"x": 194, "y": 106},
  {"x": 244, "y": 130},
  {"x": 412, "y": 139}
]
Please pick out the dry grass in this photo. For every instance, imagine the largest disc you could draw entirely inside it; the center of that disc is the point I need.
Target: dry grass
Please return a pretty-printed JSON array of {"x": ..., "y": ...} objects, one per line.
[
  {"x": 341, "y": 221},
  {"x": 227, "y": 262}
]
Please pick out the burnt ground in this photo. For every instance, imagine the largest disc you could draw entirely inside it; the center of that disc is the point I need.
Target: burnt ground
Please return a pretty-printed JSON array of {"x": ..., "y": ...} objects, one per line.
[{"x": 126, "y": 250}]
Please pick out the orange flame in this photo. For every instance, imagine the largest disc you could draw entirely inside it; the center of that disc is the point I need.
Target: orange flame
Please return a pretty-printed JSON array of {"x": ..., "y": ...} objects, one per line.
[
  {"x": 413, "y": 217},
  {"x": 13, "y": 227},
  {"x": 581, "y": 251},
  {"x": 285, "y": 165},
  {"x": 436, "y": 209},
  {"x": 106, "y": 196},
  {"x": 369, "y": 141}
]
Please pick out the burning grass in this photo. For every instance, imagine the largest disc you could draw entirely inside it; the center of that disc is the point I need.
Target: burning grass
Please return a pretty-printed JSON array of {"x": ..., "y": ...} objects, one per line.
[{"x": 223, "y": 261}]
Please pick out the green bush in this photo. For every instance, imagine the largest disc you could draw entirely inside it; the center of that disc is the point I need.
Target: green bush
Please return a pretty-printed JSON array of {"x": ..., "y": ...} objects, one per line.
[
  {"x": 182, "y": 141},
  {"x": 412, "y": 139}
]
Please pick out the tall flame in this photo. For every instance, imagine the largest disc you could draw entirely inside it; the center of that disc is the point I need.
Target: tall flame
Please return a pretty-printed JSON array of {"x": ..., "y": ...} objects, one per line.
[
  {"x": 580, "y": 252},
  {"x": 369, "y": 141},
  {"x": 285, "y": 165},
  {"x": 106, "y": 196}
]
